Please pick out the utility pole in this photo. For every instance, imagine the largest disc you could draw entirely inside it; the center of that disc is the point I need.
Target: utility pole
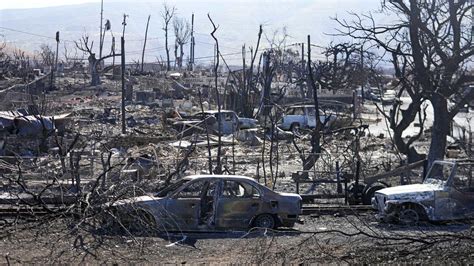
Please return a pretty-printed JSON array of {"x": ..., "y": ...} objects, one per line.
[
  {"x": 55, "y": 67},
  {"x": 113, "y": 51},
  {"x": 124, "y": 130},
  {"x": 191, "y": 46},
  {"x": 124, "y": 23},
  {"x": 302, "y": 56},
  {"x": 303, "y": 95},
  {"x": 57, "y": 51},
  {"x": 144, "y": 43},
  {"x": 362, "y": 91},
  {"x": 244, "y": 70},
  {"x": 101, "y": 43}
]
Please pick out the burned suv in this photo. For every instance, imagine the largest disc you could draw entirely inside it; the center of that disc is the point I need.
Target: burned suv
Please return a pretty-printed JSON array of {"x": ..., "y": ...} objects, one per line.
[{"x": 447, "y": 193}]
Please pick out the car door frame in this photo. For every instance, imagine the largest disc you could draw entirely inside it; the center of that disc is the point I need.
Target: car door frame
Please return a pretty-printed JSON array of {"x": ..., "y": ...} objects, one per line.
[
  {"x": 184, "y": 213},
  {"x": 234, "y": 212},
  {"x": 310, "y": 119},
  {"x": 464, "y": 200}
]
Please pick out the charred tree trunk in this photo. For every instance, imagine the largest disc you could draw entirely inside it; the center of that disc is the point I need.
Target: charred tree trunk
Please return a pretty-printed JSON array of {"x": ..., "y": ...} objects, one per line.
[
  {"x": 440, "y": 129},
  {"x": 95, "y": 77},
  {"x": 316, "y": 134},
  {"x": 218, "y": 169},
  {"x": 268, "y": 74},
  {"x": 181, "y": 55},
  {"x": 168, "y": 66},
  {"x": 176, "y": 58},
  {"x": 248, "y": 81},
  {"x": 398, "y": 127}
]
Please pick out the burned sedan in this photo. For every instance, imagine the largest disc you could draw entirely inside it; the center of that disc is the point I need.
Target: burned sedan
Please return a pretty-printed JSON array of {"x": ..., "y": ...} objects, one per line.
[
  {"x": 207, "y": 202},
  {"x": 447, "y": 193}
]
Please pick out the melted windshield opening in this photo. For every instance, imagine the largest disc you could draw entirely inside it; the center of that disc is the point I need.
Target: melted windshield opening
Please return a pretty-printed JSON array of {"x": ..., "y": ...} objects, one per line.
[
  {"x": 171, "y": 188},
  {"x": 439, "y": 173}
]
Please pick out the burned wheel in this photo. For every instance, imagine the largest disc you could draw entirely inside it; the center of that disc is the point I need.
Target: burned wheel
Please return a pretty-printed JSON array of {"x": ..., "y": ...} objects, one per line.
[
  {"x": 295, "y": 128},
  {"x": 265, "y": 221},
  {"x": 369, "y": 193},
  {"x": 409, "y": 216}
]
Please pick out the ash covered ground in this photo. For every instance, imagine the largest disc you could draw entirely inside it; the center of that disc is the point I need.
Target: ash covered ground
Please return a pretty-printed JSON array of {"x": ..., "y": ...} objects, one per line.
[
  {"x": 92, "y": 160},
  {"x": 321, "y": 239}
]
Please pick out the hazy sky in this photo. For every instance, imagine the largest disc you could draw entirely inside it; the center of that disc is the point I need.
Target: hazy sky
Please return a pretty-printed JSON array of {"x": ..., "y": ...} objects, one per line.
[
  {"x": 9, "y": 4},
  {"x": 5, "y": 4},
  {"x": 238, "y": 22}
]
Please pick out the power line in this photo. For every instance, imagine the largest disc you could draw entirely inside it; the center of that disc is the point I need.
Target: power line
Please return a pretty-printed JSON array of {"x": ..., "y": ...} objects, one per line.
[
  {"x": 159, "y": 48},
  {"x": 33, "y": 34},
  {"x": 140, "y": 40}
]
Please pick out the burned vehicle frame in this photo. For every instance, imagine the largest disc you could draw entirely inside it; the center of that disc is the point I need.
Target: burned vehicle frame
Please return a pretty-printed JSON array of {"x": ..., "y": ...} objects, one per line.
[
  {"x": 447, "y": 193},
  {"x": 208, "y": 202},
  {"x": 229, "y": 122}
]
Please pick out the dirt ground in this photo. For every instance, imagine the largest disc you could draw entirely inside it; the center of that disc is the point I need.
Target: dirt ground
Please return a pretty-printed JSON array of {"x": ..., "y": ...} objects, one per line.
[{"x": 333, "y": 238}]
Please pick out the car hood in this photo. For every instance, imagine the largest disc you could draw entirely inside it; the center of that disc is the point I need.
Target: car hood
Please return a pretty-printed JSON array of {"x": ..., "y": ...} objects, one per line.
[
  {"x": 408, "y": 191},
  {"x": 136, "y": 200},
  {"x": 247, "y": 119}
]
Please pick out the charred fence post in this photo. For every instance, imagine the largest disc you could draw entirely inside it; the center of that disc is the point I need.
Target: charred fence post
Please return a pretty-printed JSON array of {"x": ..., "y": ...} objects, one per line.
[
  {"x": 346, "y": 195},
  {"x": 425, "y": 169},
  {"x": 338, "y": 178},
  {"x": 357, "y": 173},
  {"x": 297, "y": 187}
]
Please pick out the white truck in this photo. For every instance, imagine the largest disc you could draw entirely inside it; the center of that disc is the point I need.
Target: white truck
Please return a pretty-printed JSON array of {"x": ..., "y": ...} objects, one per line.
[{"x": 302, "y": 116}]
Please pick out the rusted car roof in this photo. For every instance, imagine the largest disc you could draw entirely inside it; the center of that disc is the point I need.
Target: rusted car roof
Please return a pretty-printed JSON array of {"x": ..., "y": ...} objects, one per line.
[
  {"x": 228, "y": 177},
  {"x": 214, "y": 112}
]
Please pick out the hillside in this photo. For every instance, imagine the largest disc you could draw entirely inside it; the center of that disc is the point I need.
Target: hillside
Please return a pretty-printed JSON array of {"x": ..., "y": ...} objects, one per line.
[{"x": 238, "y": 23}]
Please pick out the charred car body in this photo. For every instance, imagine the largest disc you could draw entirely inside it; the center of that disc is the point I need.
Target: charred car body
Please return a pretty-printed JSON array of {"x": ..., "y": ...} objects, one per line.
[
  {"x": 447, "y": 193},
  {"x": 229, "y": 121},
  {"x": 207, "y": 202}
]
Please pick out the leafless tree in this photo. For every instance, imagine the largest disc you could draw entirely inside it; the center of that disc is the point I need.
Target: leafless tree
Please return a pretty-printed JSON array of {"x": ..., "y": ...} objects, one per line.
[
  {"x": 278, "y": 38},
  {"x": 47, "y": 55},
  {"x": 274, "y": 64},
  {"x": 23, "y": 65},
  {"x": 268, "y": 74},
  {"x": 167, "y": 15},
  {"x": 218, "y": 169},
  {"x": 87, "y": 47},
  {"x": 431, "y": 46},
  {"x": 246, "y": 84},
  {"x": 5, "y": 61},
  {"x": 341, "y": 69},
  {"x": 69, "y": 55},
  {"x": 182, "y": 32}
]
